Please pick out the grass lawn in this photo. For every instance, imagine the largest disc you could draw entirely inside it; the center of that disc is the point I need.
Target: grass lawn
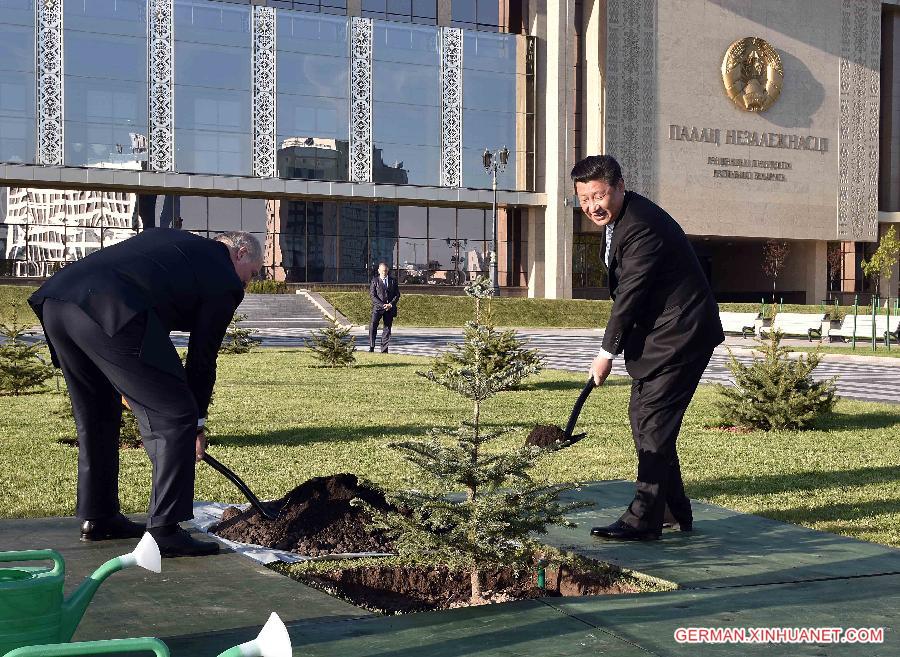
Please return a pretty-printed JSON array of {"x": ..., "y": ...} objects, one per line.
[
  {"x": 279, "y": 419},
  {"x": 862, "y": 349}
]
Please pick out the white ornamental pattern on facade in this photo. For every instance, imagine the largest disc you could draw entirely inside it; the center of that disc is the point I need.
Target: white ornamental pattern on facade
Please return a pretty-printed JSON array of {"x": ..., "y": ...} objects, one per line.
[
  {"x": 49, "y": 56},
  {"x": 360, "y": 99},
  {"x": 264, "y": 117},
  {"x": 631, "y": 89},
  {"x": 859, "y": 108},
  {"x": 161, "y": 58},
  {"x": 451, "y": 106}
]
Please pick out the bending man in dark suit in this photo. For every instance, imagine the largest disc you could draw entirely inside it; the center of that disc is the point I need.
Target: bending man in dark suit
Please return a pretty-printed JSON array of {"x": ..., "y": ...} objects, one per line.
[
  {"x": 107, "y": 320},
  {"x": 665, "y": 319},
  {"x": 385, "y": 293}
]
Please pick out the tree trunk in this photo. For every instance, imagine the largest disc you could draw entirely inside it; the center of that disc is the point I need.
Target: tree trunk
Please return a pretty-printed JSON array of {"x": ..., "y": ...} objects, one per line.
[{"x": 477, "y": 597}]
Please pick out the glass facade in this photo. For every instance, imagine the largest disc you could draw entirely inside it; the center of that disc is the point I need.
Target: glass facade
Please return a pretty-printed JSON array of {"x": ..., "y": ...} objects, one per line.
[
  {"x": 408, "y": 11},
  {"x": 105, "y": 78},
  {"x": 105, "y": 82},
  {"x": 312, "y": 87},
  {"x": 212, "y": 87},
  {"x": 491, "y": 91},
  {"x": 406, "y": 104},
  {"x": 17, "y": 81}
]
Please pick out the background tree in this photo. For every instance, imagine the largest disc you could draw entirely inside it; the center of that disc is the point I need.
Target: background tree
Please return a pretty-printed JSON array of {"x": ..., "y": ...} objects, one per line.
[
  {"x": 775, "y": 253},
  {"x": 835, "y": 258},
  {"x": 776, "y": 391},
  {"x": 333, "y": 345},
  {"x": 494, "y": 523},
  {"x": 882, "y": 262},
  {"x": 21, "y": 365}
]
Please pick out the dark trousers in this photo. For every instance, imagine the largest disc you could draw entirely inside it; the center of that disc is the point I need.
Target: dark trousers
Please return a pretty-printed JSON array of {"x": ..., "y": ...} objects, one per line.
[
  {"x": 99, "y": 371},
  {"x": 656, "y": 410},
  {"x": 378, "y": 316}
]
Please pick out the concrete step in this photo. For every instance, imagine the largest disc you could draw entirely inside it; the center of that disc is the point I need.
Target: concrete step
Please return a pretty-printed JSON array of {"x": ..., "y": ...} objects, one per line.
[{"x": 280, "y": 311}]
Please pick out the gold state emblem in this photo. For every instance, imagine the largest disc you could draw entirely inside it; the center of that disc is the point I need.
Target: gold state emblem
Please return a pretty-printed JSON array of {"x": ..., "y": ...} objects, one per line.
[{"x": 753, "y": 74}]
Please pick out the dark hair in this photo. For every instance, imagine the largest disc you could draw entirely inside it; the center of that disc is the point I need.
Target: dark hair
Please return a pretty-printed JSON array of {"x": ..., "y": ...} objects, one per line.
[{"x": 597, "y": 167}]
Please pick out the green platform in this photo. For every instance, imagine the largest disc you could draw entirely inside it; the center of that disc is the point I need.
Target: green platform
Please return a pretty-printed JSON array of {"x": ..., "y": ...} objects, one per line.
[{"x": 735, "y": 570}]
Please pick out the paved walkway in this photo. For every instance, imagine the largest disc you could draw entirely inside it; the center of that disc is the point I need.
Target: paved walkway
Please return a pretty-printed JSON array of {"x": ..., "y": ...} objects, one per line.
[
  {"x": 859, "y": 377},
  {"x": 734, "y": 571}
]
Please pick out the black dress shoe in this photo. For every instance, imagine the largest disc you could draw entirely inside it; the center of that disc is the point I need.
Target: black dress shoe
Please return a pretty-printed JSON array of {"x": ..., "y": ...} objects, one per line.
[
  {"x": 104, "y": 529},
  {"x": 622, "y": 532},
  {"x": 178, "y": 543},
  {"x": 371, "y": 349}
]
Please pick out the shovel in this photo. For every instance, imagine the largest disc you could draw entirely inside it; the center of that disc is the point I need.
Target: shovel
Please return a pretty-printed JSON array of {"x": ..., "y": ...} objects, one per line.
[
  {"x": 226, "y": 472},
  {"x": 576, "y": 411},
  {"x": 538, "y": 436}
]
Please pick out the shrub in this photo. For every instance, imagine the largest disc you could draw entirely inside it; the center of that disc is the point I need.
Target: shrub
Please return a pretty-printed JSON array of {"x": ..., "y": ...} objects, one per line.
[
  {"x": 267, "y": 286},
  {"x": 238, "y": 340},
  {"x": 333, "y": 345},
  {"x": 21, "y": 365},
  {"x": 776, "y": 391}
]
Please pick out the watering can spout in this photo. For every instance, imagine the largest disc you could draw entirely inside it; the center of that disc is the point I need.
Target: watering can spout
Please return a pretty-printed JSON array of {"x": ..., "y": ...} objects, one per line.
[
  {"x": 146, "y": 555},
  {"x": 272, "y": 641}
]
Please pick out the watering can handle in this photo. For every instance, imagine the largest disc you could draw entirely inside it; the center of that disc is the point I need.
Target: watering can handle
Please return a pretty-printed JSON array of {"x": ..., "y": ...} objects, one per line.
[
  {"x": 105, "y": 647},
  {"x": 59, "y": 566}
]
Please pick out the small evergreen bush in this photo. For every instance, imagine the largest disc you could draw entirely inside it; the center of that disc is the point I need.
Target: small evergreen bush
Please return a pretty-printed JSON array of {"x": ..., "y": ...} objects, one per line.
[
  {"x": 776, "y": 391},
  {"x": 333, "y": 345},
  {"x": 238, "y": 340},
  {"x": 21, "y": 365}
]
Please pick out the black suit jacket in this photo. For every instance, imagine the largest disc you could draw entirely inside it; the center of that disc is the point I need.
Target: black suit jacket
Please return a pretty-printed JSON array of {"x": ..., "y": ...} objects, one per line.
[
  {"x": 664, "y": 312},
  {"x": 182, "y": 281},
  {"x": 381, "y": 295}
]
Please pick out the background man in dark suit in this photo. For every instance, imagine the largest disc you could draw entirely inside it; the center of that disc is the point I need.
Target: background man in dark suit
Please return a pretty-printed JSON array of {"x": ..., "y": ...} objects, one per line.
[
  {"x": 107, "y": 320},
  {"x": 385, "y": 292},
  {"x": 665, "y": 318}
]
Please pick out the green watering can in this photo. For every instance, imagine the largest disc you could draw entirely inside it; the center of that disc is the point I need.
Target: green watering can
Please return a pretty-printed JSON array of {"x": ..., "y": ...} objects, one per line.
[
  {"x": 273, "y": 641},
  {"x": 32, "y": 608}
]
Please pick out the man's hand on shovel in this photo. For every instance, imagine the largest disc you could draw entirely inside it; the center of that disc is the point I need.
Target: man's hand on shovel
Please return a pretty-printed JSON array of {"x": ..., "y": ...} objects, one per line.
[
  {"x": 200, "y": 448},
  {"x": 600, "y": 369}
]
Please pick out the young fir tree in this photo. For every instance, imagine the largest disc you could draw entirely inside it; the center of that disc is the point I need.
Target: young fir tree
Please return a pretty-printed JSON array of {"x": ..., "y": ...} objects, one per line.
[
  {"x": 21, "y": 365},
  {"x": 333, "y": 345},
  {"x": 776, "y": 391},
  {"x": 238, "y": 340},
  {"x": 503, "y": 507}
]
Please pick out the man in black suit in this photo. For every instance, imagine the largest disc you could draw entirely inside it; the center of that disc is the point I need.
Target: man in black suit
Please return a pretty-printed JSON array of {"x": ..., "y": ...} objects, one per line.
[
  {"x": 385, "y": 293},
  {"x": 107, "y": 320},
  {"x": 665, "y": 319}
]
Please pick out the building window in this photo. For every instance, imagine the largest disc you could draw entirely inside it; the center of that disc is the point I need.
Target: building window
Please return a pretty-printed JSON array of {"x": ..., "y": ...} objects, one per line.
[
  {"x": 477, "y": 14},
  {"x": 17, "y": 89},
  {"x": 212, "y": 87},
  {"x": 321, "y": 6},
  {"x": 405, "y": 11},
  {"x": 312, "y": 86},
  {"x": 105, "y": 83},
  {"x": 406, "y": 104}
]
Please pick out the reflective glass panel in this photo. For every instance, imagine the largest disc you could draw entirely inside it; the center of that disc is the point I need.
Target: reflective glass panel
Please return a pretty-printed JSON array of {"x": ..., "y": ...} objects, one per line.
[
  {"x": 406, "y": 104},
  {"x": 105, "y": 83},
  {"x": 212, "y": 87},
  {"x": 313, "y": 121},
  {"x": 17, "y": 84}
]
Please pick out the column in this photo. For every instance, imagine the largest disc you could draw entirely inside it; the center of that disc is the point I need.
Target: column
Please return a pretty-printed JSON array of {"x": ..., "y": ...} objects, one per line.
[
  {"x": 264, "y": 108},
  {"x": 49, "y": 54}
]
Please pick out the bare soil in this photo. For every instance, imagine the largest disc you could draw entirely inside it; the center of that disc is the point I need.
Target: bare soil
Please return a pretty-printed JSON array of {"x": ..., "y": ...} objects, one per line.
[
  {"x": 545, "y": 435},
  {"x": 316, "y": 519},
  {"x": 407, "y": 589}
]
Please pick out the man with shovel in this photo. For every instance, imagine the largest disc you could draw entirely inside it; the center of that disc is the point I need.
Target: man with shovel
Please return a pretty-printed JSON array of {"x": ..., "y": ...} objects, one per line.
[
  {"x": 665, "y": 319},
  {"x": 107, "y": 320}
]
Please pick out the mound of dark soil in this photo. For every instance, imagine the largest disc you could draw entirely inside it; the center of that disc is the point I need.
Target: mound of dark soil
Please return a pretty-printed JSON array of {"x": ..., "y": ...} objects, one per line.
[
  {"x": 316, "y": 519},
  {"x": 545, "y": 435},
  {"x": 399, "y": 589}
]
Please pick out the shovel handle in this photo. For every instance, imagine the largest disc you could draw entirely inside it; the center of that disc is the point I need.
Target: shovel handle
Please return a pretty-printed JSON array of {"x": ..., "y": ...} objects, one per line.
[
  {"x": 222, "y": 469},
  {"x": 576, "y": 410}
]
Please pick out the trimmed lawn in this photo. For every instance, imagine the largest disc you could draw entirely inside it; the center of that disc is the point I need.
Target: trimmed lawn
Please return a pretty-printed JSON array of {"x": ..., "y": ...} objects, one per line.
[{"x": 278, "y": 419}]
